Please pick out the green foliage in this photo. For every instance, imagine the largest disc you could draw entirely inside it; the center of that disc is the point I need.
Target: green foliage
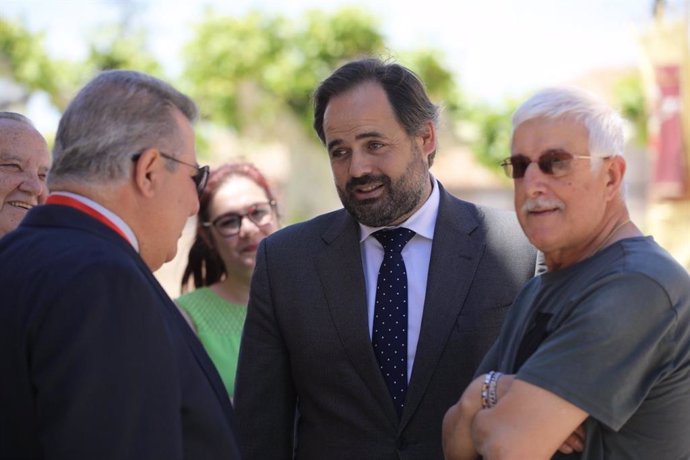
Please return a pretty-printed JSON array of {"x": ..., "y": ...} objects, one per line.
[
  {"x": 319, "y": 45},
  {"x": 115, "y": 50},
  {"x": 244, "y": 72},
  {"x": 440, "y": 82},
  {"x": 491, "y": 141},
  {"x": 24, "y": 59},
  {"x": 227, "y": 63},
  {"x": 247, "y": 73},
  {"x": 628, "y": 93}
]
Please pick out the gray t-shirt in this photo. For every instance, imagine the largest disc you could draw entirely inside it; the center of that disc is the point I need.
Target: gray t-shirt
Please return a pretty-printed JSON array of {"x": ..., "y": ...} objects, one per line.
[{"x": 611, "y": 335}]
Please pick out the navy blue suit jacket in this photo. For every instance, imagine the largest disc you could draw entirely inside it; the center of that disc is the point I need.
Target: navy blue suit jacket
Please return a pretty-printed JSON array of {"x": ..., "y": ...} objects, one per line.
[{"x": 95, "y": 360}]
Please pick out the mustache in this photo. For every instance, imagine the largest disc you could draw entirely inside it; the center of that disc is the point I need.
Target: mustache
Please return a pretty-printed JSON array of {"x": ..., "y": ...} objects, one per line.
[
  {"x": 539, "y": 204},
  {"x": 367, "y": 179}
]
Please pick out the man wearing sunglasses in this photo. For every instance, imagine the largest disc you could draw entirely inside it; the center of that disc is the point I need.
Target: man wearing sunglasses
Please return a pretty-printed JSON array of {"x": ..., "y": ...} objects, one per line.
[
  {"x": 96, "y": 361},
  {"x": 594, "y": 357},
  {"x": 355, "y": 346}
]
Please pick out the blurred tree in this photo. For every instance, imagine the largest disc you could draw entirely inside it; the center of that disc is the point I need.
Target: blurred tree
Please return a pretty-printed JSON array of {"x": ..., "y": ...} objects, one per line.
[
  {"x": 629, "y": 97},
  {"x": 440, "y": 82},
  {"x": 230, "y": 62},
  {"x": 325, "y": 41},
  {"x": 123, "y": 44},
  {"x": 490, "y": 141},
  {"x": 114, "y": 50},
  {"x": 27, "y": 66},
  {"x": 25, "y": 62},
  {"x": 246, "y": 71}
]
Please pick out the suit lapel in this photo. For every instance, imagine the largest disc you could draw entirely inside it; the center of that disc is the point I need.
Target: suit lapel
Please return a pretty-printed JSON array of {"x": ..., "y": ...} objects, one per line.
[
  {"x": 339, "y": 267},
  {"x": 455, "y": 256}
]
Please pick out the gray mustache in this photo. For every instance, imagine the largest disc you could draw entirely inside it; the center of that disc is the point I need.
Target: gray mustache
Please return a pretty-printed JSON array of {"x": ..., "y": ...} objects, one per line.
[{"x": 538, "y": 204}]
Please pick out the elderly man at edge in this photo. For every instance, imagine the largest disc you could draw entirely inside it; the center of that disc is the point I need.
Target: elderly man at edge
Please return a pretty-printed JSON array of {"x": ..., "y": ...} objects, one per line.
[
  {"x": 24, "y": 164},
  {"x": 597, "y": 350}
]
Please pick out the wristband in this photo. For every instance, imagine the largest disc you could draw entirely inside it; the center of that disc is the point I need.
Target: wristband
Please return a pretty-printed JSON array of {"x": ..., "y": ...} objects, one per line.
[
  {"x": 489, "y": 392},
  {"x": 485, "y": 390},
  {"x": 493, "y": 389}
]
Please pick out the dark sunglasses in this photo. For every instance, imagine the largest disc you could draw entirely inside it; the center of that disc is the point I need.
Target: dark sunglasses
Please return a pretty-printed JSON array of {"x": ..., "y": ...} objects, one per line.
[
  {"x": 200, "y": 178},
  {"x": 556, "y": 163}
]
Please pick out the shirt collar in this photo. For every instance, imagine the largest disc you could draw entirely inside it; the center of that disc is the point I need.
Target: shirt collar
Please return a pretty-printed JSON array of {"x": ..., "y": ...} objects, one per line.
[{"x": 114, "y": 218}]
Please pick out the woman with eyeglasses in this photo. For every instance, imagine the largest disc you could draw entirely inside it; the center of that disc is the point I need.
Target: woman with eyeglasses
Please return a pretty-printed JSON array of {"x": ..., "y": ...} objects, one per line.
[{"x": 236, "y": 211}]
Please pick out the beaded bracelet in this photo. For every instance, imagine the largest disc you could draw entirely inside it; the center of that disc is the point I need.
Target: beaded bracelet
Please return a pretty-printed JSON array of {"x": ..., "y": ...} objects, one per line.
[
  {"x": 493, "y": 388},
  {"x": 489, "y": 393},
  {"x": 485, "y": 390}
]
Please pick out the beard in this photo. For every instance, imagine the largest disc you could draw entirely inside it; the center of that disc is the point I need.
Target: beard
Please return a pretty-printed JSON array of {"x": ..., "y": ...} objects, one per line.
[{"x": 400, "y": 197}]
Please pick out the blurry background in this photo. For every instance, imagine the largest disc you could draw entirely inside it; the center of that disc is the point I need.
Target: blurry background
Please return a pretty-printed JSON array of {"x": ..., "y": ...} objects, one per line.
[{"x": 252, "y": 65}]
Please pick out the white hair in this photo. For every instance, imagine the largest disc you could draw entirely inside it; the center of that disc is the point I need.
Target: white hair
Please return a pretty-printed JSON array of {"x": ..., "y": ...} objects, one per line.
[{"x": 604, "y": 125}]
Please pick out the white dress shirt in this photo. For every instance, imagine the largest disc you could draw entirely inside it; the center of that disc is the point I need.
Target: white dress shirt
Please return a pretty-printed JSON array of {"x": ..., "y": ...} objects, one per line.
[
  {"x": 416, "y": 254},
  {"x": 114, "y": 218}
]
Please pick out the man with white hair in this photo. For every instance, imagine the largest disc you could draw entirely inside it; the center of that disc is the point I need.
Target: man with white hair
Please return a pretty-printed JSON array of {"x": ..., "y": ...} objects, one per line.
[
  {"x": 594, "y": 357},
  {"x": 24, "y": 164}
]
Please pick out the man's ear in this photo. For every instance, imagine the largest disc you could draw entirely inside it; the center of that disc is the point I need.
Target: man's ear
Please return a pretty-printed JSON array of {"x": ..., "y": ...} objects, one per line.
[
  {"x": 145, "y": 171},
  {"x": 615, "y": 172},
  {"x": 426, "y": 139}
]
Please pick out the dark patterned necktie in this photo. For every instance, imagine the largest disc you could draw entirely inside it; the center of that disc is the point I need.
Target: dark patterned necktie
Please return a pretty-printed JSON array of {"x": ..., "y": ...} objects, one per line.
[{"x": 389, "y": 336}]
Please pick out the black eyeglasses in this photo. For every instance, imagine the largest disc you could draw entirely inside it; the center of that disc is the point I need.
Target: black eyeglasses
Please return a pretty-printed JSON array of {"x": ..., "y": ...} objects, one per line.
[
  {"x": 230, "y": 224},
  {"x": 554, "y": 162},
  {"x": 200, "y": 178}
]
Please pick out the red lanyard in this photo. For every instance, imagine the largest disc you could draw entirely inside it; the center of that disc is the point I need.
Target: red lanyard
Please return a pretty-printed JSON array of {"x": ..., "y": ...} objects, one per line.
[{"x": 71, "y": 202}]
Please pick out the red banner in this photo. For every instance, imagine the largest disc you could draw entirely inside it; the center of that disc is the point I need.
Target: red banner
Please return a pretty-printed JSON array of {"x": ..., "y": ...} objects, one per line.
[{"x": 670, "y": 175}]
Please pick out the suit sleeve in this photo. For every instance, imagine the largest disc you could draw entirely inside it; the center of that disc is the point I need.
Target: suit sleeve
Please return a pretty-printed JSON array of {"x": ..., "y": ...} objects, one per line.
[
  {"x": 265, "y": 397},
  {"x": 103, "y": 371}
]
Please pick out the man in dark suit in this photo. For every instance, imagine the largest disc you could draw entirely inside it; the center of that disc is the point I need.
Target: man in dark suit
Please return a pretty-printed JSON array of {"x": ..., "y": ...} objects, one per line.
[
  {"x": 95, "y": 360},
  {"x": 319, "y": 375}
]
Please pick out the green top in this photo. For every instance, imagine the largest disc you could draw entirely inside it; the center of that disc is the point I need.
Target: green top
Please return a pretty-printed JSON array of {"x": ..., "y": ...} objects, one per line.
[{"x": 219, "y": 325}]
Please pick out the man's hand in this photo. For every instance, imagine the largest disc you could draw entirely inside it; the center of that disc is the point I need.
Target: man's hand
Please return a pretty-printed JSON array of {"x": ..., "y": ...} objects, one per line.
[
  {"x": 527, "y": 422},
  {"x": 457, "y": 423},
  {"x": 457, "y": 435},
  {"x": 575, "y": 442}
]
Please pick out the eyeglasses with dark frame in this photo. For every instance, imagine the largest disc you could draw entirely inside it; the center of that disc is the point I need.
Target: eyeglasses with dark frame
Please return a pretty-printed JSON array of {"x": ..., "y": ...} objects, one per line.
[
  {"x": 556, "y": 163},
  {"x": 230, "y": 224},
  {"x": 200, "y": 178}
]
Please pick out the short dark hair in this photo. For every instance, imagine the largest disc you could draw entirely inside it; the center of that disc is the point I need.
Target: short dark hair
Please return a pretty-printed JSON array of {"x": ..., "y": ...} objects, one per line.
[{"x": 404, "y": 89}]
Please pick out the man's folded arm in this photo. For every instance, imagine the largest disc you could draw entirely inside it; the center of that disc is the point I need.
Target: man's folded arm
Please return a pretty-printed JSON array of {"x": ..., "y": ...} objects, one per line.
[{"x": 526, "y": 422}]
